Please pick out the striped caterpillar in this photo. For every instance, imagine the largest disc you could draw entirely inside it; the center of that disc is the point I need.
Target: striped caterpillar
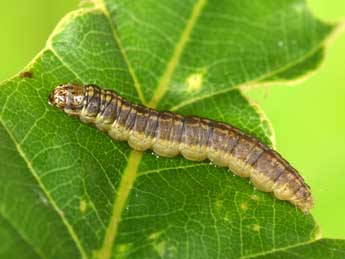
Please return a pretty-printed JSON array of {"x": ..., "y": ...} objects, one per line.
[{"x": 170, "y": 134}]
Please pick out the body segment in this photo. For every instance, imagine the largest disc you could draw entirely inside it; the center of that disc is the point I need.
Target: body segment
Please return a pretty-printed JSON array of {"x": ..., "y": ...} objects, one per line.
[{"x": 169, "y": 134}]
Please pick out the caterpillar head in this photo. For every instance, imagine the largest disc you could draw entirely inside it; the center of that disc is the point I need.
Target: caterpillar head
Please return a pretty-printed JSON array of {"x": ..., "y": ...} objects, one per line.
[{"x": 68, "y": 98}]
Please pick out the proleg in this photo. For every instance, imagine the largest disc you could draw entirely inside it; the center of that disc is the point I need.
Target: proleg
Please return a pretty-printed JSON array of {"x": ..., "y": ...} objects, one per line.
[{"x": 169, "y": 134}]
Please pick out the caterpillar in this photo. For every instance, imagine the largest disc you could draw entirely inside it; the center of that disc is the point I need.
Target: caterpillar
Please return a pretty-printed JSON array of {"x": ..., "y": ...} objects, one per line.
[{"x": 169, "y": 134}]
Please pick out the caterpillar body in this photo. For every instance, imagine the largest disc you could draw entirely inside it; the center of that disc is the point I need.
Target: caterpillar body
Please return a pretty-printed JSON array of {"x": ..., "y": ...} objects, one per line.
[{"x": 169, "y": 134}]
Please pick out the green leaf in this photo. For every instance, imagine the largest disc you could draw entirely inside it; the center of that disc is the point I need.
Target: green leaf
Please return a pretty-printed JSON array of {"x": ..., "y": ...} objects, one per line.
[
  {"x": 68, "y": 191},
  {"x": 321, "y": 249},
  {"x": 299, "y": 71}
]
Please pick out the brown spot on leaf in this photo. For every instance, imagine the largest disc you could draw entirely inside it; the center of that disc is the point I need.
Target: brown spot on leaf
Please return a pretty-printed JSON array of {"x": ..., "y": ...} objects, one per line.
[{"x": 26, "y": 74}]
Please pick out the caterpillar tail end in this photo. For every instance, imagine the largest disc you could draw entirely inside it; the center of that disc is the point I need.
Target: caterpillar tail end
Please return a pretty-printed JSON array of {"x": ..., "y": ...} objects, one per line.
[{"x": 305, "y": 205}]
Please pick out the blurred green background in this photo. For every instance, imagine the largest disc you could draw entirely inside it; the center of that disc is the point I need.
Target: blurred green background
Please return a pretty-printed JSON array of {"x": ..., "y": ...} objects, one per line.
[{"x": 309, "y": 119}]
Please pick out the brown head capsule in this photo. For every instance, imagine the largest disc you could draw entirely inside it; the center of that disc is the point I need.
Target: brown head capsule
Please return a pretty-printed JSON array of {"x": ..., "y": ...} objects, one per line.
[
  {"x": 170, "y": 134},
  {"x": 68, "y": 98}
]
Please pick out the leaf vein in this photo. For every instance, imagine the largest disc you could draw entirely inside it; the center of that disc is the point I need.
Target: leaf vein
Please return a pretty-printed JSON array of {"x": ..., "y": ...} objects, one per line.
[
  {"x": 163, "y": 84},
  {"x": 102, "y": 6},
  {"x": 23, "y": 237},
  {"x": 46, "y": 192}
]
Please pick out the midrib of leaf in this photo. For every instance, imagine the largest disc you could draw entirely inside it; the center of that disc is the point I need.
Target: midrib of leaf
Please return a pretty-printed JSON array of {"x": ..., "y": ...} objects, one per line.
[
  {"x": 46, "y": 192},
  {"x": 164, "y": 82},
  {"x": 126, "y": 183},
  {"x": 130, "y": 172}
]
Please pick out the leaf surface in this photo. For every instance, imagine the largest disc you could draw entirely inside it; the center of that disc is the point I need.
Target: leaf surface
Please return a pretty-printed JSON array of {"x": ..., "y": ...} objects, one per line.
[
  {"x": 67, "y": 190},
  {"x": 321, "y": 249}
]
